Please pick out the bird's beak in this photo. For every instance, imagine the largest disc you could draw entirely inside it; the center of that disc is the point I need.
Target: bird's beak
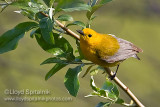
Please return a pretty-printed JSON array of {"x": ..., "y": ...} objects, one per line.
[{"x": 80, "y": 32}]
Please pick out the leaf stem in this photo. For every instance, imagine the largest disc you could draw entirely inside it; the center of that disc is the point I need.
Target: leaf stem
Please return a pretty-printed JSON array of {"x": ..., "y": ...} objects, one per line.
[{"x": 116, "y": 80}]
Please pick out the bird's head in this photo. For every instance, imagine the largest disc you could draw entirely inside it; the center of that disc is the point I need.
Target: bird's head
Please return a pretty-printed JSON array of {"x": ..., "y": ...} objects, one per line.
[{"x": 88, "y": 35}]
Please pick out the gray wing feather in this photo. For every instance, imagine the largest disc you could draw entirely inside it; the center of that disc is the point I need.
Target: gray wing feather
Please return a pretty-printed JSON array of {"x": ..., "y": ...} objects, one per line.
[{"x": 126, "y": 50}]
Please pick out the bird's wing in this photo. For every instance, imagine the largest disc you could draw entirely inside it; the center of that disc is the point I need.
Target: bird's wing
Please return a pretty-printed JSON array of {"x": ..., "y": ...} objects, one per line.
[{"x": 126, "y": 50}]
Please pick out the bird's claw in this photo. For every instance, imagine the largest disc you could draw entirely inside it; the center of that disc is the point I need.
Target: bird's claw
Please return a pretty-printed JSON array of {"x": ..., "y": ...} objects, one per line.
[{"x": 112, "y": 76}]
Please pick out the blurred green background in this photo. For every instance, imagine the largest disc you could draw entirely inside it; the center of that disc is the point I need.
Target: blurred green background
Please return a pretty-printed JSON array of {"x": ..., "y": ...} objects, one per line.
[{"x": 137, "y": 21}]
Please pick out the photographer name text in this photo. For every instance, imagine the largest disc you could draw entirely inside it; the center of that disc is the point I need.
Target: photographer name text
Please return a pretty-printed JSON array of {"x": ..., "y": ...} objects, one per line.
[{"x": 27, "y": 92}]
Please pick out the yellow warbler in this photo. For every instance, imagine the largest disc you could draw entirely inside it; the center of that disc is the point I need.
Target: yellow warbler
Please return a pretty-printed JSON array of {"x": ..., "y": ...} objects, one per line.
[{"x": 106, "y": 50}]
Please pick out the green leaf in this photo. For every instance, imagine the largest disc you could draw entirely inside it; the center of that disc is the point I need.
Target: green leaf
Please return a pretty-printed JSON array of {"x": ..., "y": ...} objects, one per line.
[
  {"x": 93, "y": 17},
  {"x": 55, "y": 69},
  {"x": 54, "y": 60},
  {"x": 120, "y": 101},
  {"x": 58, "y": 60},
  {"x": 28, "y": 13},
  {"x": 96, "y": 7},
  {"x": 93, "y": 85},
  {"x": 61, "y": 46},
  {"x": 111, "y": 89},
  {"x": 81, "y": 56},
  {"x": 46, "y": 26},
  {"x": 104, "y": 1},
  {"x": 102, "y": 104},
  {"x": 48, "y": 47},
  {"x": 29, "y": 5},
  {"x": 71, "y": 80},
  {"x": 72, "y": 5},
  {"x": 40, "y": 16},
  {"x": 65, "y": 17},
  {"x": 49, "y": 3},
  {"x": 51, "y": 48},
  {"x": 9, "y": 40},
  {"x": 112, "y": 96},
  {"x": 103, "y": 93},
  {"x": 64, "y": 45},
  {"x": 29, "y": 8},
  {"x": 77, "y": 7},
  {"x": 78, "y": 23}
]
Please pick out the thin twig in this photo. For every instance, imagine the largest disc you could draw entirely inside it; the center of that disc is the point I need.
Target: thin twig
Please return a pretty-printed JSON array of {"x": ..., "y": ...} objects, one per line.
[
  {"x": 125, "y": 88},
  {"x": 116, "y": 80},
  {"x": 67, "y": 30},
  {"x": 64, "y": 28}
]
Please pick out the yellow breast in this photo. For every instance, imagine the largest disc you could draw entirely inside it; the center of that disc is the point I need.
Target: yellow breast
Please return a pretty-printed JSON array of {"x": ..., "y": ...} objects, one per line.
[{"x": 99, "y": 47}]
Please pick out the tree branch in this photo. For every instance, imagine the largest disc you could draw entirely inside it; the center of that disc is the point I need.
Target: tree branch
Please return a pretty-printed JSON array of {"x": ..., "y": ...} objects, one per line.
[
  {"x": 125, "y": 88},
  {"x": 67, "y": 30},
  {"x": 116, "y": 80},
  {"x": 64, "y": 28}
]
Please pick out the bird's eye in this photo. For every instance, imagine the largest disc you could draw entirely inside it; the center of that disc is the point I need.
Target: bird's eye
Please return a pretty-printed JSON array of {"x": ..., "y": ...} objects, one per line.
[{"x": 89, "y": 35}]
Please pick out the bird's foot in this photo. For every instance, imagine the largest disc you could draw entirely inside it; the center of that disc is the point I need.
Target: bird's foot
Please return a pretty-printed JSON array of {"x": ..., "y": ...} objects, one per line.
[{"x": 113, "y": 76}]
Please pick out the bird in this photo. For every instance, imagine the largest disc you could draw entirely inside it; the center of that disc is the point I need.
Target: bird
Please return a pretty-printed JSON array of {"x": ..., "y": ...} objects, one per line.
[{"x": 106, "y": 50}]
